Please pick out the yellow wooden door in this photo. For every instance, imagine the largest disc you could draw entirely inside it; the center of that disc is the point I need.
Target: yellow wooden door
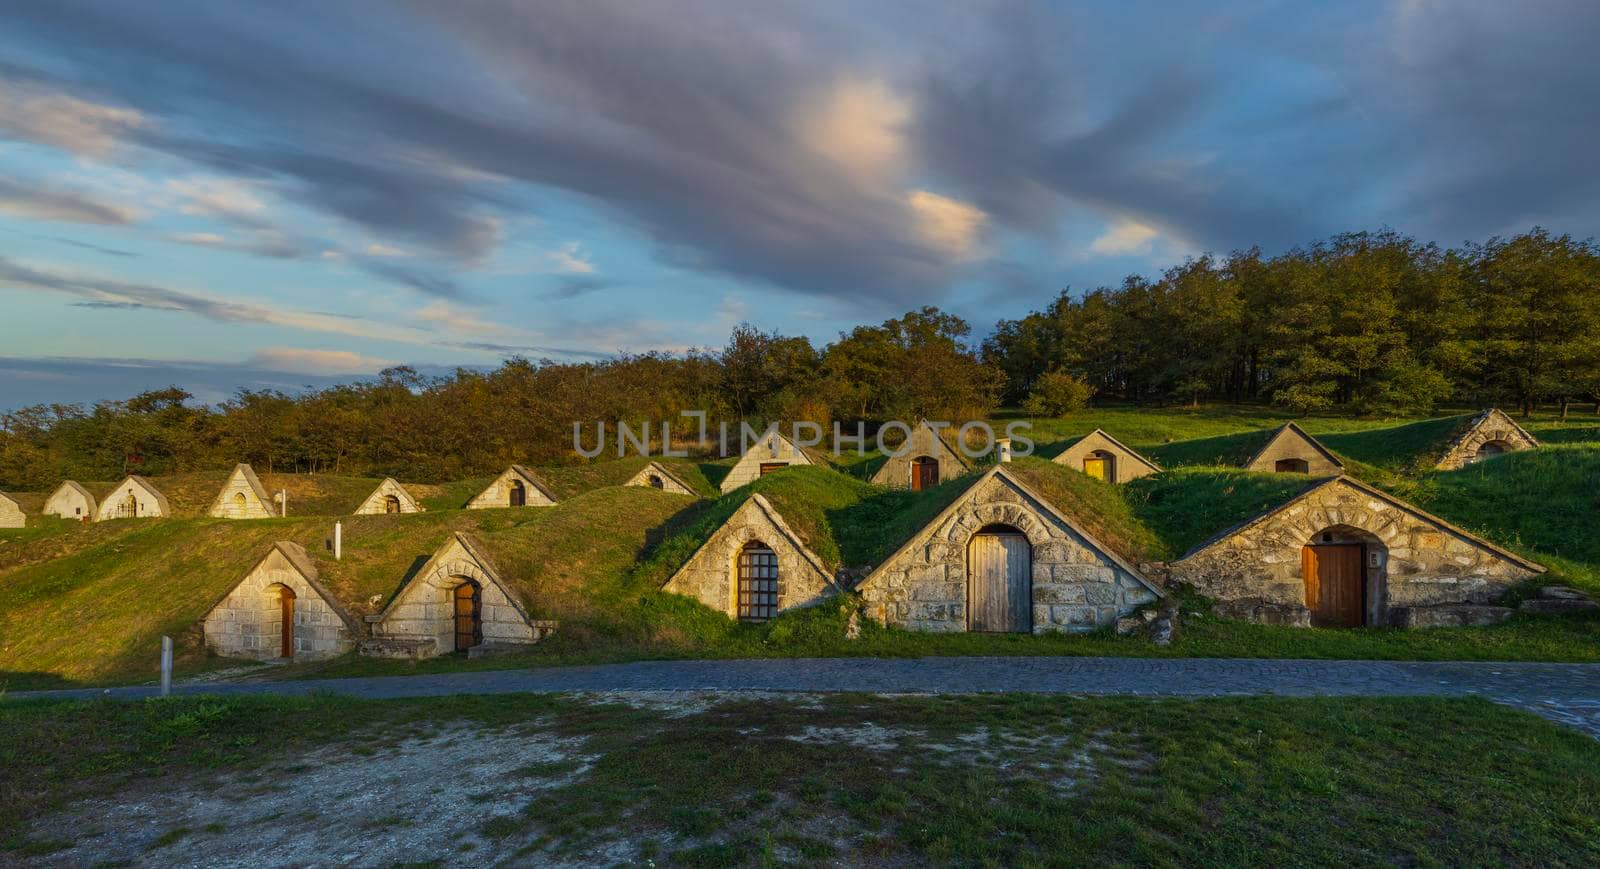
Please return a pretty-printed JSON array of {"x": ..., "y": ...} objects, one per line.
[
  {"x": 999, "y": 583},
  {"x": 1095, "y": 466}
]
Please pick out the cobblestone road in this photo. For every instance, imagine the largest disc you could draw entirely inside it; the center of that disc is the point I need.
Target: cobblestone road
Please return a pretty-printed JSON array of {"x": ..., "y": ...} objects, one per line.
[{"x": 1568, "y": 693}]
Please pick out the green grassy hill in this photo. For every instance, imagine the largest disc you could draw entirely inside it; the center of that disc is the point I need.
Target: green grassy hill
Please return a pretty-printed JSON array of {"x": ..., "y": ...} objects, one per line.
[{"x": 88, "y": 603}]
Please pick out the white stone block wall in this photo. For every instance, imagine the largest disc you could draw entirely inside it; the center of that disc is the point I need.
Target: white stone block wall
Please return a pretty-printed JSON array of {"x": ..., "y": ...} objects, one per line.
[
  {"x": 11, "y": 516},
  {"x": 248, "y": 622},
  {"x": 426, "y": 609},
  {"x": 228, "y": 505},
  {"x": 68, "y": 503},
  {"x": 113, "y": 506},
  {"x": 498, "y": 494},
  {"x": 773, "y": 450}
]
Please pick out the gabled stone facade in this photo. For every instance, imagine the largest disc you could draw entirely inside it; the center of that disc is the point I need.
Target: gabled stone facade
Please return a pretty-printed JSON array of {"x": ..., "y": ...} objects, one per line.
[
  {"x": 11, "y": 515},
  {"x": 1409, "y": 558},
  {"x": 242, "y": 497},
  {"x": 134, "y": 497},
  {"x": 1076, "y": 583},
  {"x": 658, "y": 475},
  {"x": 70, "y": 501},
  {"x": 1491, "y": 433},
  {"x": 1291, "y": 444},
  {"x": 248, "y": 621},
  {"x": 502, "y": 492},
  {"x": 772, "y": 449},
  {"x": 1121, "y": 463},
  {"x": 711, "y": 574},
  {"x": 924, "y": 443},
  {"x": 420, "y": 621},
  {"x": 389, "y": 497}
]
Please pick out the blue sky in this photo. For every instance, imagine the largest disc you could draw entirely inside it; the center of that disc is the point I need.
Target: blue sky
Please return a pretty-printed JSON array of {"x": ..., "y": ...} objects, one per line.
[{"x": 291, "y": 193}]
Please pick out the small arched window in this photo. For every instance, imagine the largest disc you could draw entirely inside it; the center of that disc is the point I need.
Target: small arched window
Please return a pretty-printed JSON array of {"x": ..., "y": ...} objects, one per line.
[
  {"x": 1292, "y": 466},
  {"x": 656, "y": 482}
]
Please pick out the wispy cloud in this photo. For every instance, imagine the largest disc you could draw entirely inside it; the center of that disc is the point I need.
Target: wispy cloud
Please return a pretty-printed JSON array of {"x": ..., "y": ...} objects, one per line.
[
  {"x": 306, "y": 361},
  {"x": 40, "y": 203},
  {"x": 571, "y": 259},
  {"x": 32, "y": 112}
]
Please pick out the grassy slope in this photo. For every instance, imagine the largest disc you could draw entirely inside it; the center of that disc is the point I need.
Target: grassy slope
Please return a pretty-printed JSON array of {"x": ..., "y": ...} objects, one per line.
[
  {"x": 88, "y": 602},
  {"x": 1017, "y": 779}
]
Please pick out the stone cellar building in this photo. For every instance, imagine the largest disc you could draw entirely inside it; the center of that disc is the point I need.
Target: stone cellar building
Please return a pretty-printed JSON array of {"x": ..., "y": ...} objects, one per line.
[
  {"x": 924, "y": 461},
  {"x": 753, "y": 567},
  {"x": 1491, "y": 433},
  {"x": 516, "y": 487},
  {"x": 659, "y": 475},
  {"x": 134, "y": 497},
  {"x": 1103, "y": 457},
  {"x": 242, "y": 497},
  {"x": 11, "y": 515},
  {"x": 280, "y": 610},
  {"x": 773, "y": 452},
  {"x": 1291, "y": 450},
  {"x": 70, "y": 501},
  {"x": 1002, "y": 559},
  {"x": 389, "y": 497},
  {"x": 457, "y": 602},
  {"x": 1345, "y": 554}
]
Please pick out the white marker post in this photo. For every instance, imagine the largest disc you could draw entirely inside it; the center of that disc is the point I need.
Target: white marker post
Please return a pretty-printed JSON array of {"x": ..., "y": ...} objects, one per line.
[
  {"x": 283, "y": 502},
  {"x": 338, "y": 540},
  {"x": 166, "y": 666}
]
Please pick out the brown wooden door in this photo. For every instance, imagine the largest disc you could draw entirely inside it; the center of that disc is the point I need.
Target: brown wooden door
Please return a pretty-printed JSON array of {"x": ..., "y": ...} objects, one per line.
[
  {"x": 286, "y": 640},
  {"x": 1335, "y": 584},
  {"x": 924, "y": 473},
  {"x": 769, "y": 467},
  {"x": 391, "y": 504},
  {"x": 999, "y": 583},
  {"x": 519, "y": 494},
  {"x": 1095, "y": 466},
  {"x": 469, "y": 616}
]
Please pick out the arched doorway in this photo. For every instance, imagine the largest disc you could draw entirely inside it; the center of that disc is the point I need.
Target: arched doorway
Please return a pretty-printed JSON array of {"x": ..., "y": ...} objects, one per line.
[
  {"x": 240, "y": 505},
  {"x": 999, "y": 581},
  {"x": 1489, "y": 450},
  {"x": 285, "y": 621},
  {"x": 1101, "y": 465},
  {"x": 130, "y": 504},
  {"x": 656, "y": 482},
  {"x": 924, "y": 473},
  {"x": 391, "y": 503},
  {"x": 1292, "y": 466},
  {"x": 519, "y": 494},
  {"x": 756, "y": 596},
  {"x": 1343, "y": 571},
  {"x": 467, "y": 599}
]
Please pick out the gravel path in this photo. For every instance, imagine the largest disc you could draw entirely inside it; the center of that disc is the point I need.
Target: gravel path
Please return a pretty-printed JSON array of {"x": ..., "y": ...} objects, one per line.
[{"x": 1569, "y": 693}]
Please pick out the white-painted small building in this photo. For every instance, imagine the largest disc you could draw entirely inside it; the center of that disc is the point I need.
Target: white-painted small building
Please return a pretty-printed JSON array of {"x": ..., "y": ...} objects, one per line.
[
  {"x": 133, "y": 498},
  {"x": 242, "y": 497},
  {"x": 70, "y": 501},
  {"x": 11, "y": 515},
  {"x": 389, "y": 497},
  {"x": 516, "y": 487}
]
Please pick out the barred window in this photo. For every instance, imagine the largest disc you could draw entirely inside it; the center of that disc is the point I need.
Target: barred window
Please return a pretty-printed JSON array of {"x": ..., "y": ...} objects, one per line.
[{"x": 758, "y": 582}]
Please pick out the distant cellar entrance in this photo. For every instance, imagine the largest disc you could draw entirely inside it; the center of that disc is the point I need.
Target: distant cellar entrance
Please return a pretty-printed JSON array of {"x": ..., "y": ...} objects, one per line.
[
  {"x": 1292, "y": 466},
  {"x": 391, "y": 504},
  {"x": 999, "y": 581},
  {"x": 1489, "y": 450},
  {"x": 519, "y": 494},
  {"x": 1101, "y": 465},
  {"x": 656, "y": 482},
  {"x": 285, "y": 621},
  {"x": 924, "y": 473}
]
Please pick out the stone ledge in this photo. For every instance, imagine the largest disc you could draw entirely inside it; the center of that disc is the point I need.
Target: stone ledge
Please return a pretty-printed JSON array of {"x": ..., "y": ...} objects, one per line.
[{"x": 1449, "y": 616}]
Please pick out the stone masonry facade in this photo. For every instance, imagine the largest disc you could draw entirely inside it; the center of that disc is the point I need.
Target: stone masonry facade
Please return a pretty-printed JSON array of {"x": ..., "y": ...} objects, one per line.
[
  {"x": 1290, "y": 442},
  {"x": 424, "y": 610},
  {"x": 498, "y": 493},
  {"x": 1414, "y": 560},
  {"x": 11, "y": 515},
  {"x": 70, "y": 501},
  {"x": 1076, "y": 585},
  {"x": 770, "y": 450},
  {"x": 924, "y": 441},
  {"x": 1491, "y": 426},
  {"x": 710, "y": 574},
  {"x": 248, "y": 622},
  {"x": 242, "y": 497}
]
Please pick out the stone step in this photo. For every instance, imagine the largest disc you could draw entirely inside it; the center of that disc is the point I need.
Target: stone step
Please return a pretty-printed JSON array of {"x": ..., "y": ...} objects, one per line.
[
  {"x": 1450, "y": 615},
  {"x": 1558, "y": 606},
  {"x": 1561, "y": 592}
]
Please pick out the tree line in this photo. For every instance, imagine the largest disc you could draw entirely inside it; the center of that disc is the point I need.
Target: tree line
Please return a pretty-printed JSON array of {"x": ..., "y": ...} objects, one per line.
[{"x": 1361, "y": 323}]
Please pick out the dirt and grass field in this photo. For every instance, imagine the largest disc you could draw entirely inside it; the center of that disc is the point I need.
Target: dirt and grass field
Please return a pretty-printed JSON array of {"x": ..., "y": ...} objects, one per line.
[
  {"x": 87, "y": 604},
  {"x": 733, "y": 780}
]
